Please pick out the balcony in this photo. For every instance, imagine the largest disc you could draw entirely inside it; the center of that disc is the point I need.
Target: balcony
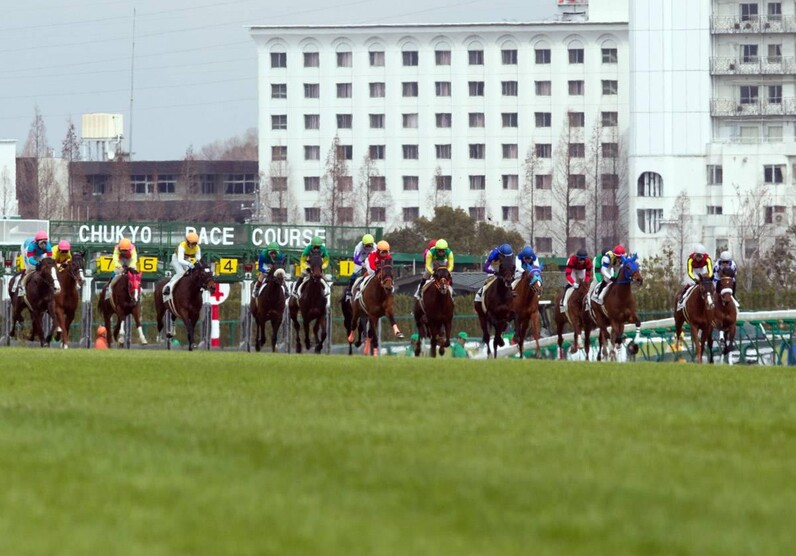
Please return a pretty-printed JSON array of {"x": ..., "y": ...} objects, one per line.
[
  {"x": 760, "y": 24},
  {"x": 758, "y": 65},
  {"x": 734, "y": 108}
]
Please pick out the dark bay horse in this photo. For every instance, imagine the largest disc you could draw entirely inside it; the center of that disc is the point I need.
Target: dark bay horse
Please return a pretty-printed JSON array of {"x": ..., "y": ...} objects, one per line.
[
  {"x": 497, "y": 308},
  {"x": 618, "y": 308},
  {"x": 374, "y": 301},
  {"x": 726, "y": 313},
  {"x": 70, "y": 276},
  {"x": 434, "y": 312},
  {"x": 124, "y": 299},
  {"x": 186, "y": 299},
  {"x": 526, "y": 308},
  {"x": 39, "y": 299},
  {"x": 576, "y": 316},
  {"x": 312, "y": 305},
  {"x": 269, "y": 306},
  {"x": 698, "y": 312}
]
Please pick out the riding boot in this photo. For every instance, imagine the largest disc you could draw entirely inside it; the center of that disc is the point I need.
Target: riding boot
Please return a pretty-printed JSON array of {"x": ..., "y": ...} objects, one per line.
[
  {"x": 479, "y": 295},
  {"x": 419, "y": 287}
]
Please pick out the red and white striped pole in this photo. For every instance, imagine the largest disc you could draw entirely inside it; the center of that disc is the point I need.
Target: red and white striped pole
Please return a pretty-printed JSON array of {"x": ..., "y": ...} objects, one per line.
[{"x": 216, "y": 299}]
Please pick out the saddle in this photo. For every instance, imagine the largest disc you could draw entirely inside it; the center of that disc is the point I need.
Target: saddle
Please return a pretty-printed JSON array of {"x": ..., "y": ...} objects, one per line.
[
  {"x": 360, "y": 285},
  {"x": 686, "y": 296}
]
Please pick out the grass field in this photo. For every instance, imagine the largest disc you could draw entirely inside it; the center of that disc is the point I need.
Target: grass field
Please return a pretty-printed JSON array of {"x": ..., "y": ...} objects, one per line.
[{"x": 218, "y": 453}]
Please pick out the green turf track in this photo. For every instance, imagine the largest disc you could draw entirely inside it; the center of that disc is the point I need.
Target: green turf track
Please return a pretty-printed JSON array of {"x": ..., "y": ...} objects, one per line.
[{"x": 221, "y": 453}]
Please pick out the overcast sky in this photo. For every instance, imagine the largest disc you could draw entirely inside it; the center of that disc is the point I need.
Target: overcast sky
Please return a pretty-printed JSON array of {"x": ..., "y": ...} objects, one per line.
[{"x": 195, "y": 72}]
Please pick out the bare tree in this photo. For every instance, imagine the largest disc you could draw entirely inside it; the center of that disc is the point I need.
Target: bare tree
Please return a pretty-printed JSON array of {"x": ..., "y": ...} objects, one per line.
[
  {"x": 241, "y": 147},
  {"x": 531, "y": 167},
  {"x": 614, "y": 194},
  {"x": 276, "y": 202},
  {"x": 337, "y": 186},
  {"x": 117, "y": 202},
  {"x": 371, "y": 191},
  {"x": 593, "y": 172},
  {"x": 749, "y": 222},
  {"x": 70, "y": 146},
  {"x": 8, "y": 196},
  {"x": 567, "y": 192},
  {"x": 439, "y": 194},
  {"x": 680, "y": 230}
]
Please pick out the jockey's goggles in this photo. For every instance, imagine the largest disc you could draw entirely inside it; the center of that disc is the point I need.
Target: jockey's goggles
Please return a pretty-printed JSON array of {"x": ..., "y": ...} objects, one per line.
[
  {"x": 440, "y": 251},
  {"x": 42, "y": 243},
  {"x": 273, "y": 253},
  {"x": 527, "y": 259},
  {"x": 367, "y": 245},
  {"x": 384, "y": 253},
  {"x": 191, "y": 244}
]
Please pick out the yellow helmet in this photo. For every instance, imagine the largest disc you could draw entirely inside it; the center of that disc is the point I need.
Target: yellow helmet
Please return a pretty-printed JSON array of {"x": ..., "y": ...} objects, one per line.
[
  {"x": 192, "y": 237},
  {"x": 368, "y": 239},
  {"x": 441, "y": 244},
  {"x": 383, "y": 246}
]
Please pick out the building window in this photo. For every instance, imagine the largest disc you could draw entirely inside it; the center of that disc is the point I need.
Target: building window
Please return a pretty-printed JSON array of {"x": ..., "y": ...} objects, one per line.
[
  {"x": 312, "y": 183},
  {"x": 511, "y": 181},
  {"x": 543, "y": 213},
  {"x": 575, "y": 55},
  {"x": 477, "y": 151},
  {"x": 376, "y": 121},
  {"x": 509, "y": 57},
  {"x": 577, "y": 150},
  {"x": 410, "y": 152},
  {"x": 610, "y": 150},
  {"x": 577, "y": 119},
  {"x": 511, "y": 214},
  {"x": 312, "y": 152},
  {"x": 576, "y": 181},
  {"x": 477, "y": 183},
  {"x": 576, "y": 88},
  {"x": 509, "y": 119},
  {"x": 376, "y": 152},
  {"x": 649, "y": 220},
  {"x": 376, "y": 58},
  {"x": 749, "y": 12},
  {"x": 344, "y": 90},
  {"x": 278, "y": 183},
  {"x": 543, "y": 88},
  {"x": 443, "y": 119},
  {"x": 776, "y": 215},
  {"x": 278, "y": 59},
  {"x": 510, "y": 151},
  {"x": 312, "y": 214},
  {"x": 279, "y": 121},
  {"x": 167, "y": 184},
  {"x": 775, "y": 11},
  {"x": 345, "y": 183},
  {"x": 749, "y": 94},
  {"x": 774, "y": 53},
  {"x": 610, "y": 56},
  {"x": 442, "y": 57},
  {"x": 477, "y": 213},
  {"x": 715, "y": 174},
  {"x": 476, "y": 88},
  {"x": 411, "y": 214},
  {"x": 476, "y": 119},
  {"x": 509, "y": 88},
  {"x": 773, "y": 173},
  {"x": 345, "y": 152},
  {"x": 576, "y": 212},
  {"x": 610, "y": 212},
  {"x": 410, "y": 58},
  {"x": 409, "y": 121},
  {"x": 443, "y": 88},
  {"x": 312, "y": 121},
  {"x": 544, "y": 150},
  {"x": 409, "y": 88},
  {"x": 443, "y": 152},
  {"x": 207, "y": 184},
  {"x": 411, "y": 183},
  {"x": 543, "y": 244},
  {"x": 715, "y": 210},
  {"x": 650, "y": 184},
  {"x": 97, "y": 185},
  {"x": 775, "y": 94},
  {"x": 543, "y": 181},
  {"x": 609, "y": 181},
  {"x": 610, "y": 87},
  {"x": 542, "y": 55},
  {"x": 312, "y": 60},
  {"x": 278, "y": 215},
  {"x": 475, "y": 57},
  {"x": 240, "y": 184},
  {"x": 610, "y": 119},
  {"x": 749, "y": 53},
  {"x": 344, "y": 59},
  {"x": 312, "y": 90},
  {"x": 443, "y": 183},
  {"x": 344, "y": 121},
  {"x": 345, "y": 214},
  {"x": 378, "y": 214},
  {"x": 377, "y": 183},
  {"x": 278, "y": 153},
  {"x": 377, "y": 90},
  {"x": 279, "y": 90}
]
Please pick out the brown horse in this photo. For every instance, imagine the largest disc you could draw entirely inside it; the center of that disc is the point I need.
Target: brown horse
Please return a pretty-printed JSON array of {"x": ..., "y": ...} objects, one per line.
[
  {"x": 374, "y": 301},
  {"x": 618, "y": 308},
  {"x": 312, "y": 303},
  {"x": 186, "y": 299},
  {"x": 70, "y": 275},
  {"x": 575, "y": 316},
  {"x": 497, "y": 308},
  {"x": 434, "y": 312},
  {"x": 269, "y": 306},
  {"x": 39, "y": 299},
  {"x": 698, "y": 312},
  {"x": 526, "y": 308},
  {"x": 124, "y": 299},
  {"x": 726, "y": 313}
]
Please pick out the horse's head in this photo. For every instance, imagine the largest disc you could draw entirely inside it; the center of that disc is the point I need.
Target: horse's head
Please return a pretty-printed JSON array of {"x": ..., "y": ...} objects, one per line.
[
  {"x": 535, "y": 278},
  {"x": 708, "y": 291},
  {"x": 46, "y": 268},
  {"x": 204, "y": 276},
  {"x": 506, "y": 270},
  {"x": 315, "y": 264},
  {"x": 630, "y": 270},
  {"x": 75, "y": 268},
  {"x": 726, "y": 279},
  {"x": 134, "y": 284},
  {"x": 442, "y": 279},
  {"x": 385, "y": 276},
  {"x": 276, "y": 274}
]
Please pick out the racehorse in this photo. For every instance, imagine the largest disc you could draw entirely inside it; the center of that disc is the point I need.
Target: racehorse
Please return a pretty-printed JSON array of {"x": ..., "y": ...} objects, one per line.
[
  {"x": 70, "y": 276},
  {"x": 374, "y": 301},
  {"x": 434, "y": 312},
  {"x": 618, "y": 308},
  {"x": 269, "y": 306},
  {"x": 312, "y": 304},
  {"x": 575, "y": 315},
  {"x": 39, "y": 299},
  {"x": 698, "y": 312},
  {"x": 497, "y": 309},
  {"x": 186, "y": 299},
  {"x": 726, "y": 313},
  {"x": 526, "y": 308},
  {"x": 124, "y": 299}
]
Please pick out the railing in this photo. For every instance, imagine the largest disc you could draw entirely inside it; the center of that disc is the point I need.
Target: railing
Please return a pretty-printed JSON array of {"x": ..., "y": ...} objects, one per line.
[
  {"x": 757, "y": 65},
  {"x": 736, "y": 108},
  {"x": 758, "y": 24}
]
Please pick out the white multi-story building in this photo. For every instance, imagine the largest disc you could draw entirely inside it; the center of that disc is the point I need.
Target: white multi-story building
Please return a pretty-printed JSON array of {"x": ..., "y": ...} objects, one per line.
[
  {"x": 447, "y": 114},
  {"x": 8, "y": 179}
]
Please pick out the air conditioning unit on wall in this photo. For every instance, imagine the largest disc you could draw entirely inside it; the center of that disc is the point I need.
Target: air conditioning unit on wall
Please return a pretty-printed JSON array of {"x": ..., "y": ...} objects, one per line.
[{"x": 779, "y": 219}]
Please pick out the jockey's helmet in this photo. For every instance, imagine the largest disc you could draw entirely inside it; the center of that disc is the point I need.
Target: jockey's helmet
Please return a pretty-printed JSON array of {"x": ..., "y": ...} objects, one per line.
[
  {"x": 273, "y": 247},
  {"x": 64, "y": 246},
  {"x": 41, "y": 235},
  {"x": 102, "y": 331},
  {"x": 125, "y": 244},
  {"x": 699, "y": 249},
  {"x": 619, "y": 250},
  {"x": 527, "y": 253},
  {"x": 317, "y": 241},
  {"x": 725, "y": 256},
  {"x": 367, "y": 240},
  {"x": 431, "y": 243},
  {"x": 582, "y": 254},
  {"x": 383, "y": 246},
  {"x": 505, "y": 250},
  {"x": 441, "y": 245},
  {"x": 192, "y": 238}
]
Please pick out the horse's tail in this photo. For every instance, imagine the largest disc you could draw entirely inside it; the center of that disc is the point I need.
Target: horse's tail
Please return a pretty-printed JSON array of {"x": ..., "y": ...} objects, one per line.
[{"x": 347, "y": 312}]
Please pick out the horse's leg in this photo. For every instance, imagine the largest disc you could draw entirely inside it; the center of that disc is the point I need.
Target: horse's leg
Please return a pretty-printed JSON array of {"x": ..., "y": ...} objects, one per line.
[
  {"x": 484, "y": 328},
  {"x": 535, "y": 332},
  {"x": 276, "y": 324},
  {"x": 448, "y": 324},
  {"x": 320, "y": 323},
  {"x": 307, "y": 343},
  {"x": 296, "y": 328},
  {"x": 560, "y": 334},
  {"x": 697, "y": 341},
  {"x": 388, "y": 310},
  {"x": 118, "y": 331},
  {"x": 374, "y": 334},
  {"x": 709, "y": 334},
  {"x": 520, "y": 330},
  {"x": 138, "y": 327}
]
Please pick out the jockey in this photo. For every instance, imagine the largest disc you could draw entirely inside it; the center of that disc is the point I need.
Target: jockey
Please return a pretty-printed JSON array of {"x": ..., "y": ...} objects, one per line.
[
  {"x": 429, "y": 247},
  {"x": 609, "y": 266},
  {"x": 579, "y": 267},
  {"x": 492, "y": 260},
  {"x": 378, "y": 257},
  {"x": 725, "y": 263},
  {"x": 124, "y": 256},
  {"x": 187, "y": 255},
  {"x": 62, "y": 253},
  {"x": 268, "y": 257},
  {"x": 361, "y": 252},
  {"x": 436, "y": 256},
  {"x": 36, "y": 249},
  {"x": 526, "y": 260},
  {"x": 699, "y": 265},
  {"x": 314, "y": 247}
]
